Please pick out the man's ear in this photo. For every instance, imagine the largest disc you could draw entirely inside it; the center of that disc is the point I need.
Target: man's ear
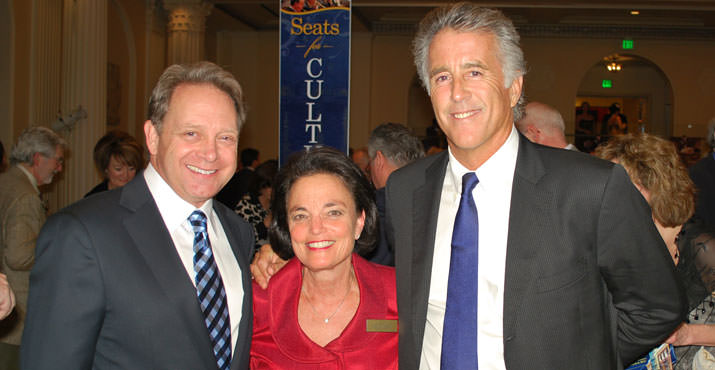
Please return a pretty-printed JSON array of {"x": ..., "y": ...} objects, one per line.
[
  {"x": 379, "y": 159},
  {"x": 515, "y": 90},
  {"x": 532, "y": 133},
  {"x": 152, "y": 137},
  {"x": 35, "y": 159}
]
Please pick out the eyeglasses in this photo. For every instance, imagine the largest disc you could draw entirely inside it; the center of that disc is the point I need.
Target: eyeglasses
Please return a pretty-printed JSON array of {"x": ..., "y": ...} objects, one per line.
[{"x": 59, "y": 159}]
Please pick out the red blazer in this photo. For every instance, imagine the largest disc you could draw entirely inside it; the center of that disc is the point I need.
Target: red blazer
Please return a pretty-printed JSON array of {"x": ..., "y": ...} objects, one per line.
[{"x": 279, "y": 342}]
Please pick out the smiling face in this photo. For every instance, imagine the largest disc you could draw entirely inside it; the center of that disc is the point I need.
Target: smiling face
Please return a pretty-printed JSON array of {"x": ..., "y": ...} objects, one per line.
[
  {"x": 323, "y": 222},
  {"x": 471, "y": 104},
  {"x": 195, "y": 152},
  {"x": 119, "y": 173}
]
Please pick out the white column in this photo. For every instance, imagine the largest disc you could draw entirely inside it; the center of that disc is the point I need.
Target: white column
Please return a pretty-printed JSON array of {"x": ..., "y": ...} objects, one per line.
[
  {"x": 84, "y": 82},
  {"x": 185, "y": 30},
  {"x": 46, "y": 60}
]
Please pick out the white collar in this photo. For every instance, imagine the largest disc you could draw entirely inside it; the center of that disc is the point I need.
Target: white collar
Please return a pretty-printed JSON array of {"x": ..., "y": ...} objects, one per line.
[
  {"x": 174, "y": 210},
  {"x": 493, "y": 170}
]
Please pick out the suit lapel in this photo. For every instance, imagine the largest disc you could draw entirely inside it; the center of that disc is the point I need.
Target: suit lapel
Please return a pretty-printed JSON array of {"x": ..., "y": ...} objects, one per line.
[
  {"x": 153, "y": 241},
  {"x": 527, "y": 213},
  {"x": 426, "y": 199}
]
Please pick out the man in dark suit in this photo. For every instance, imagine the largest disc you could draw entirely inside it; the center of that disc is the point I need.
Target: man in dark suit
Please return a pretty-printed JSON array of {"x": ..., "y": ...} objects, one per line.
[
  {"x": 571, "y": 270},
  {"x": 543, "y": 124},
  {"x": 390, "y": 146},
  {"x": 242, "y": 181},
  {"x": 119, "y": 278},
  {"x": 703, "y": 175}
]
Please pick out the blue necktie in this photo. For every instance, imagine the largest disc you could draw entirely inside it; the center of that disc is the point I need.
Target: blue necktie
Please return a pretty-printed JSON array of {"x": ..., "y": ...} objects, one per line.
[
  {"x": 212, "y": 296},
  {"x": 459, "y": 334}
]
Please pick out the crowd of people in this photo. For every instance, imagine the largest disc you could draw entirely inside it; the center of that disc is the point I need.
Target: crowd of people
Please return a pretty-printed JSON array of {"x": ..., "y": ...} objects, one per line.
[{"x": 508, "y": 250}]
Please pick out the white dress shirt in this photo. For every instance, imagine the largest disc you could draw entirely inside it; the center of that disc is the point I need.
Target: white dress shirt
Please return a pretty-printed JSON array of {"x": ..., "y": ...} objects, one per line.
[
  {"x": 492, "y": 196},
  {"x": 175, "y": 212}
]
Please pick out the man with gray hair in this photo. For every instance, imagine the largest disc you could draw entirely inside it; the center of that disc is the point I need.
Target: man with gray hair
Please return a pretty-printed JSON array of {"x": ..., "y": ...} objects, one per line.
[
  {"x": 153, "y": 275},
  {"x": 543, "y": 124},
  {"x": 703, "y": 175},
  {"x": 390, "y": 146},
  {"x": 37, "y": 156},
  {"x": 511, "y": 255}
]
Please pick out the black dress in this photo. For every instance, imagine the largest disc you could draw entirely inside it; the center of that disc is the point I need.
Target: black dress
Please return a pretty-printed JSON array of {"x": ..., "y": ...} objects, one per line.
[
  {"x": 696, "y": 268},
  {"x": 102, "y": 186}
]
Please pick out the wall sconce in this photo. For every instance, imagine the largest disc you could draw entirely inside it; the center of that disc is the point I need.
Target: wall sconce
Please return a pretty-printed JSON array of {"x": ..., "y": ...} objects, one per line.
[
  {"x": 613, "y": 67},
  {"x": 67, "y": 123}
]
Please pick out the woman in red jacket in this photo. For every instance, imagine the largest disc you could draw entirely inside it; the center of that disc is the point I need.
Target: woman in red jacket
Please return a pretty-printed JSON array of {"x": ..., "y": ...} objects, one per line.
[{"x": 328, "y": 308}]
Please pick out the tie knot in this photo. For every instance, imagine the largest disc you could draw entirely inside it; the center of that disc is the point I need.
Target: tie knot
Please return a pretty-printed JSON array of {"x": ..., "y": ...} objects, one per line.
[
  {"x": 469, "y": 181},
  {"x": 197, "y": 219}
]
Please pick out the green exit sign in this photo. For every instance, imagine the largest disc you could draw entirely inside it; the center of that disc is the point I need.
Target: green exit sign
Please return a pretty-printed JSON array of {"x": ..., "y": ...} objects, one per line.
[
  {"x": 627, "y": 44},
  {"x": 607, "y": 84}
]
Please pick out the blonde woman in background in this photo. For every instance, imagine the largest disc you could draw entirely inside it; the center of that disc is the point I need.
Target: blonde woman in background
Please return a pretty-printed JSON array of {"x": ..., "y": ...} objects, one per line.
[{"x": 659, "y": 174}]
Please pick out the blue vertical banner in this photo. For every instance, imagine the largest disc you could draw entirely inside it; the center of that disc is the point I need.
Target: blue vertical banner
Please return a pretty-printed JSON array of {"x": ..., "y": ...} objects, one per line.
[{"x": 315, "y": 75}]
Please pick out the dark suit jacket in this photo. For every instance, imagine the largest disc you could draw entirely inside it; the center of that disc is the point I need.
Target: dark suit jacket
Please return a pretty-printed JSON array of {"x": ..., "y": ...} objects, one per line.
[
  {"x": 588, "y": 282},
  {"x": 109, "y": 291},
  {"x": 703, "y": 175},
  {"x": 382, "y": 254}
]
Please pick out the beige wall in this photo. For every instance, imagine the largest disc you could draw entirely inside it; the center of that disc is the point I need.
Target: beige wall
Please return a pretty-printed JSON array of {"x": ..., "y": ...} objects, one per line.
[
  {"x": 383, "y": 74},
  {"x": 383, "y": 84},
  {"x": 6, "y": 73},
  {"x": 557, "y": 66},
  {"x": 22, "y": 19},
  {"x": 132, "y": 14}
]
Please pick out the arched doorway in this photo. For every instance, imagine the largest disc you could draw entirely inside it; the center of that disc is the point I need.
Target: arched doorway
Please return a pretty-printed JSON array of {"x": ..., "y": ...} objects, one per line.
[{"x": 634, "y": 84}]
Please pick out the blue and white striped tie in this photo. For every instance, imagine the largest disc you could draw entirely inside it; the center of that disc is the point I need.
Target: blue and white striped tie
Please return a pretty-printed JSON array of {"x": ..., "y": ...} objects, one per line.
[{"x": 210, "y": 291}]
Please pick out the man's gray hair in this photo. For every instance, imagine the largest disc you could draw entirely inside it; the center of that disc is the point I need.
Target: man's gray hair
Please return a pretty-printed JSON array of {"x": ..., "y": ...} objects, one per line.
[
  {"x": 36, "y": 140},
  {"x": 711, "y": 133},
  {"x": 199, "y": 73},
  {"x": 468, "y": 17},
  {"x": 396, "y": 143},
  {"x": 543, "y": 116}
]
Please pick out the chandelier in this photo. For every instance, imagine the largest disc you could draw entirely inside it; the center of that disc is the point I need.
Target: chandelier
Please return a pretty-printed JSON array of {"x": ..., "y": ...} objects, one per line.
[{"x": 613, "y": 67}]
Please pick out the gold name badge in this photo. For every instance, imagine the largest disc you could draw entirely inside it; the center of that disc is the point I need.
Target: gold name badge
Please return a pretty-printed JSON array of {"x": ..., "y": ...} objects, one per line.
[{"x": 381, "y": 326}]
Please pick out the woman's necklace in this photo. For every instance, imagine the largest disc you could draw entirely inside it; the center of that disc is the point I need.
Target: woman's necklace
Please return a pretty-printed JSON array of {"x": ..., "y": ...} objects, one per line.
[{"x": 327, "y": 319}]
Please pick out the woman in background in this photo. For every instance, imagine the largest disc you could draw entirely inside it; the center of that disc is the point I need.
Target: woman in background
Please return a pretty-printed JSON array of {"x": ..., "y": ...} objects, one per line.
[
  {"x": 118, "y": 156},
  {"x": 327, "y": 308},
  {"x": 254, "y": 208},
  {"x": 658, "y": 173}
]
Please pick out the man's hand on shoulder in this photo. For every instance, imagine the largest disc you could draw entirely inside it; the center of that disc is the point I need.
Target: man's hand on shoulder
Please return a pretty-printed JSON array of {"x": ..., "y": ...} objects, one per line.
[{"x": 265, "y": 264}]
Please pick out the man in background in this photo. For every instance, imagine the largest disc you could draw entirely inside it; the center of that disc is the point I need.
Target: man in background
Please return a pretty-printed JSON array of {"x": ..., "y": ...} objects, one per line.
[
  {"x": 703, "y": 175},
  {"x": 390, "y": 146},
  {"x": 242, "y": 181},
  {"x": 543, "y": 124},
  {"x": 35, "y": 159},
  {"x": 362, "y": 160}
]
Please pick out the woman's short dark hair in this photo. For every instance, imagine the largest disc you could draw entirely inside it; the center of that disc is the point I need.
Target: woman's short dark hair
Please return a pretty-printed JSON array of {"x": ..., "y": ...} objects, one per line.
[
  {"x": 322, "y": 160},
  {"x": 120, "y": 145}
]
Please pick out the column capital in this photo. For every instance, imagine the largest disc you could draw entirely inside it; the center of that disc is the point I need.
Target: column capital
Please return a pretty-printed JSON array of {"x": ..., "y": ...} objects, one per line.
[{"x": 187, "y": 15}]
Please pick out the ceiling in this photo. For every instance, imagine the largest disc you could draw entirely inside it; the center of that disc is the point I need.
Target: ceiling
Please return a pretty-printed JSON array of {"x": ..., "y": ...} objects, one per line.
[{"x": 658, "y": 18}]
